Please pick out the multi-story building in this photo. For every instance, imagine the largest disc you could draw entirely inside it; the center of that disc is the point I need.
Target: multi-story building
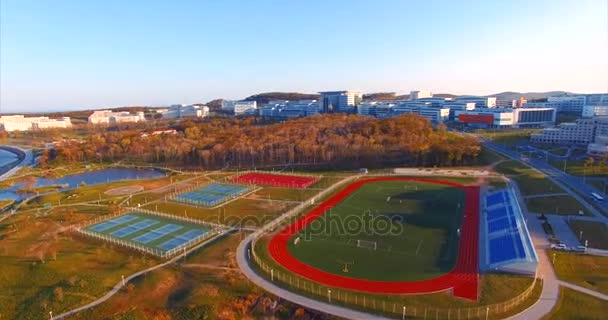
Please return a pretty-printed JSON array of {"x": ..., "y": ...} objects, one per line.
[
  {"x": 108, "y": 116},
  {"x": 506, "y": 103},
  {"x": 241, "y": 107},
  {"x": 420, "y": 94},
  {"x": 178, "y": 111},
  {"x": 580, "y": 132},
  {"x": 22, "y": 123},
  {"x": 594, "y": 111},
  {"x": 480, "y": 102},
  {"x": 340, "y": 101},
  {"x": 290, "y": 109},
  {"x": 506, "y": 117}
]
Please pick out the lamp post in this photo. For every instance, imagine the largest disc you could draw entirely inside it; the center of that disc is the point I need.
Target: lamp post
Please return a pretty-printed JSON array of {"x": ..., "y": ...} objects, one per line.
[
  {"x": 329, "y": 295},
  {"x": 51, "y": 314},
  {"x": 403, "y": 316}
]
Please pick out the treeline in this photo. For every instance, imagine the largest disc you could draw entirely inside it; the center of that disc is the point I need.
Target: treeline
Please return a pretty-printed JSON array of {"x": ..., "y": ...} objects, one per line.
[{"x": 337, "y": 141}]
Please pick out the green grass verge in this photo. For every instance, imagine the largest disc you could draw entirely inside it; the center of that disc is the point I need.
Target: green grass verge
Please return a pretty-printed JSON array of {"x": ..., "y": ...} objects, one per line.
[
  {"x": 576, "y": 305},
  {"x": 594, "y": 232},
  {"x": 562, "y": 205},
  {"x": 585, "y": 270}
]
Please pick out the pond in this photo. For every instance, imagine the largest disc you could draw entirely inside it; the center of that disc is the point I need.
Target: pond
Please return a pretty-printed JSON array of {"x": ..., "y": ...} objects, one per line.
[
  {"x": 87, "y": 178},
  {"x": 6, "y": 157}
]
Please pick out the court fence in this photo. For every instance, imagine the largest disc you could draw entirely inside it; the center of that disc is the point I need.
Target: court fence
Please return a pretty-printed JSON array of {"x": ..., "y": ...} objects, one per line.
[
  {"x": 370, "y": 302},
  {"x": 215, "y": 229},
  {"x": 175, "y": 195}
]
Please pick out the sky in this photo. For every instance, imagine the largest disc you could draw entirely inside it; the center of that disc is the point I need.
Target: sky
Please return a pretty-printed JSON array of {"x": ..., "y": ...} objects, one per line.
[{"x": 66, "y": 55}]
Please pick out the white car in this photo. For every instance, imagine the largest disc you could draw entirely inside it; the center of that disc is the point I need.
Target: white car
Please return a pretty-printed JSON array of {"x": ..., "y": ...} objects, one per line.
[
  {"x": 579, "y": 249},
  {"x": 559, "y": 246}
]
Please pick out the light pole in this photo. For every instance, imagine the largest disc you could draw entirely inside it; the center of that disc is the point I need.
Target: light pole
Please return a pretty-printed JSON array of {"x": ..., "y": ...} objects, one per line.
[
  {"x": 51, "y": 314},
  {"x": 580, "y": 235},
  {"x": 403, "y": 316},
  {"x": 123, "y": 280},
  {"x": 553, "y": 262},
  {"x": 329, "y": 295}
]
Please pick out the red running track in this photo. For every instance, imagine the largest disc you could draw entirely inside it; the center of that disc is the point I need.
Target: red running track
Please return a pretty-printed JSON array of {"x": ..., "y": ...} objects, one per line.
[
  {"x": 463, "y": 279},
  {"x": 277, "y": 180}
]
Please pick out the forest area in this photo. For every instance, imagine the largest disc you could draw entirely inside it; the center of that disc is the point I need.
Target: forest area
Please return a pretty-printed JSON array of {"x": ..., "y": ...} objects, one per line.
[{"x": 329, "y": 141}]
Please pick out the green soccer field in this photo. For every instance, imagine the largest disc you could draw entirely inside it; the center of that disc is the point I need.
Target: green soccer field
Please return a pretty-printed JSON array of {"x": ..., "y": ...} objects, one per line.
[{"x": 406, "y": 231}]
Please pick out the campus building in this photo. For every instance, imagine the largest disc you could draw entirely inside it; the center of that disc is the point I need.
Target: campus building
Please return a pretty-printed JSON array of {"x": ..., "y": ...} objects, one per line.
[
  {"x": 241, "y": 107},
  {"x": 595, "y": 111},
  {"x": 290, "y": 109},
  {"x": 480, "y": 102},
  {"x": 340, "y": 101},
  {"x": 505, "y": 117},
  {"x": 22, "y": 123},
  {"x": 108, "y": 116},
  {"x": 178, "y": 111},
  {"x": 572, "y": 103},
  {"x": 580, "y": 132},
  {"x": 420, "y": 94}
]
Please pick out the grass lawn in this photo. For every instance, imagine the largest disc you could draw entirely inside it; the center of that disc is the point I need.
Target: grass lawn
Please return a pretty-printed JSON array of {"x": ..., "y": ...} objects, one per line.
[
  {"x": 287, "y": 194},
  {"x": 576, "y": 305},
  {"x": 5, "y": 203},
  {"x": 582, "y": 269},
  {"x": 422, "y": 242},
  {"x": 45, "y": 269},
  {"x": 248, "y": 212},
  {"x": 507, "y": 137},
  {"x": 577, "y": 168},
  {"x": 563, "y": 205},
  {"x": 594, "y": 232},
  {"x": 530, "y": 182}
]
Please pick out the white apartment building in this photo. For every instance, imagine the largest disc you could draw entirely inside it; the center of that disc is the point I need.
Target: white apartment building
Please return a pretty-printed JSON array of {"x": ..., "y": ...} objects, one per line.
[
  {"x": 22, "y": 123},
  {"x": 178, "y": 111},
  {"x": 241, "y": 107},
  {"x": 480, "y": 102},
  {"x": 420, "y": 94},
  {"x": 108, "y": 116},
  {"x": 580, "y": 132},
  {"x": 595, "y": 111},
  {"x": 340, "y": 101}
]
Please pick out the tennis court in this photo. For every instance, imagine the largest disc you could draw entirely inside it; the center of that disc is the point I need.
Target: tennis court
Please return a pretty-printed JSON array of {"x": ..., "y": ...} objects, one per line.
[
  {"x": 212, "y": 194},
  {"x": 158, "y": 233}
]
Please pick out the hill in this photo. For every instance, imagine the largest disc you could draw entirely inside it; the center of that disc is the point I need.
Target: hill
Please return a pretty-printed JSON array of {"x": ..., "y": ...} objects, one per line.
[
  {"x": 263, "y": 98},
  {"x": 511, "y": 95}
]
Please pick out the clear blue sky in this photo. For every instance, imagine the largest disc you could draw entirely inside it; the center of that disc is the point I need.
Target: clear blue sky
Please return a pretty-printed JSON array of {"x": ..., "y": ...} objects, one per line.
[{"x": 83, "y": 54}]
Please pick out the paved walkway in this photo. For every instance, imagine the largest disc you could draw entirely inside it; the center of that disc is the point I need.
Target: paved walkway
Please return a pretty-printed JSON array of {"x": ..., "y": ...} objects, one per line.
[
  {"x": 590, "y": 292},
  {"x": 545, "y": 195},
  {"x": 550, "y": 293}
]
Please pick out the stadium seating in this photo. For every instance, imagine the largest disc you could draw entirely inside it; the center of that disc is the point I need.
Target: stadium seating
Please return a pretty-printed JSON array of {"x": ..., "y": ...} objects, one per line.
[{"x": 505, "y": 232}]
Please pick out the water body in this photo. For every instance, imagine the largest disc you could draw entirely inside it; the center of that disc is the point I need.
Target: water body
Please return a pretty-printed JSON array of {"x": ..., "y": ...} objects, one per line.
[
  {"x": 6, "y": 157},
  {"x": 87, "y": 178}
]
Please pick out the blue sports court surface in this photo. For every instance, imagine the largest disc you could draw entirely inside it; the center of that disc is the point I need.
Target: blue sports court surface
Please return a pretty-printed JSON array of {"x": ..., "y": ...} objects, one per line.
[
  {"x": 152, "y": 231},
  {"x": 212, "y": 194}
]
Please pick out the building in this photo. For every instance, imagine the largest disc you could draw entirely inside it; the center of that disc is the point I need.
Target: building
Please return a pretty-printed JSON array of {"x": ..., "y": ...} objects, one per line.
[
  {"x": 506, "y": 103},
  {"x": 22, "y": 123},
  {"x": 572, "y": 103},
  {"x": 340, "y": 101},
  {"x": 290, "y": 109},
  {"x": 595, "y": 111},
  {"x": 581, "y": 132},
  {"x": 505, "y": 117},
  {"x": 420, "y": 94},
  {"x": 241, "y": 107},
  {"x": 108, "y": 117},
  {"x": 480, "y": 102},
  {"x": 179, "y": 111}
]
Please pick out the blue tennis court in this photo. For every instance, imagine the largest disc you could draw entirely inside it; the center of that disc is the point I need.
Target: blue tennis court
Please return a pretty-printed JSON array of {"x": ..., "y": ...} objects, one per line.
[
  {"x": 112, "y": 223},
  {"x": 212, "y": 194},
  {"x": 182, "y": 239},
  {"x": 120, "y": 233},
  {"x": 157, "y": 233}
]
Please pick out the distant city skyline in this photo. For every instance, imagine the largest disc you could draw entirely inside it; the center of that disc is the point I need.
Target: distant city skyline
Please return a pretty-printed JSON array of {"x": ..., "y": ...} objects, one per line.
[{"x": 68, "y": 55}]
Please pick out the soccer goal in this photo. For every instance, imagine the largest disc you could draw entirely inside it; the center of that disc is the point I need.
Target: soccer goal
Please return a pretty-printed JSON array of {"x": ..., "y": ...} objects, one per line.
[{"x": 373, "y": 245}]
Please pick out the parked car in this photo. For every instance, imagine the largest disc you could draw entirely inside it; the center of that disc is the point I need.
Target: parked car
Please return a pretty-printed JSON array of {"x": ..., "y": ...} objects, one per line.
[
  {"x": 579, "y": 249},
  {"x": 559, "y": 246}
]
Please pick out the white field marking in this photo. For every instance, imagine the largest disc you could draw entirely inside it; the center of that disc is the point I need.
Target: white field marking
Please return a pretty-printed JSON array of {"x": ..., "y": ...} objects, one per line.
[{"x": 419, "y": 245}]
